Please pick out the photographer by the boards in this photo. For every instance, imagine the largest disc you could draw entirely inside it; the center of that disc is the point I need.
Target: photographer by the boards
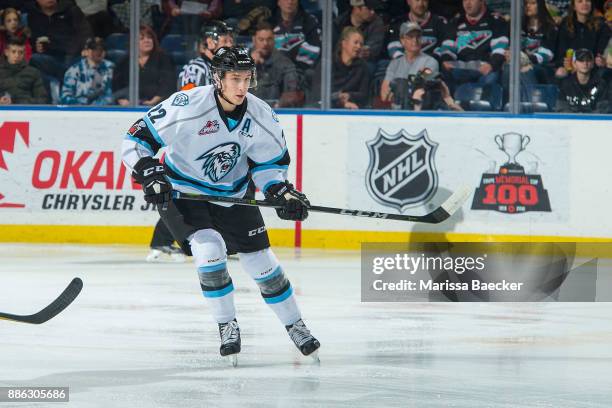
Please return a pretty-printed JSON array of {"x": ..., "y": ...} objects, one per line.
[{"x": 412, "y": 81}]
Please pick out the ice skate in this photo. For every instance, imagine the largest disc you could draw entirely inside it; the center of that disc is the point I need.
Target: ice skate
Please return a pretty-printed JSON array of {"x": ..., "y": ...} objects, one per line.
[
  {"x": 157, "y": 254},
  {"x": 230, "y": 341},
  {"x": 303, "y": 340}
]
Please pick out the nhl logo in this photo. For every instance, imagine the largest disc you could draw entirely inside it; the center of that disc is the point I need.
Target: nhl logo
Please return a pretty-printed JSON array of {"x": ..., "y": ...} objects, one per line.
[{"x": 401, "y": 172}]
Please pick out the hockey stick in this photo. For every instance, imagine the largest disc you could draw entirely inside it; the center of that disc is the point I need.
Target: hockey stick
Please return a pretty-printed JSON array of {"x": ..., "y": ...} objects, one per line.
[
  {"x": 448, "y": 208},
  {"x": 49, "y": 312}
]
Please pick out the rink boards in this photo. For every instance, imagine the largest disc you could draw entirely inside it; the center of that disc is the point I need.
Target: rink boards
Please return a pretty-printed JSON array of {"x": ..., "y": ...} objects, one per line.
[{"x": 532, "y": 178}]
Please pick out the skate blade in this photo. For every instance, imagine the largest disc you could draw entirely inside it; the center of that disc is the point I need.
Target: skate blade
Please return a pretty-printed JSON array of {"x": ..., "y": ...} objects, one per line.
[
  {"x": 315, "y": 357},
  {"x": 233, "y": 359}
]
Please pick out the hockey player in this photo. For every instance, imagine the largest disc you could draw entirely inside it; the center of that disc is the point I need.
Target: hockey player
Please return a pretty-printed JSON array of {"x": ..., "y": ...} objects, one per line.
[
  {"x": 219, "y": 140},
  {"x": 214, "y": 35}
]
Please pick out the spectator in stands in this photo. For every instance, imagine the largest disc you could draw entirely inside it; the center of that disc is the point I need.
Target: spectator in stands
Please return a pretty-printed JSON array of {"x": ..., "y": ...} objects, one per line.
[
  {"x": 580, "y": 29},
  {"x": 100, "y": 20},
  {"x": 59, "y": 30},
  {"x": 277, "y": 77},
  {"x": 89, "y": 81},
  {"x": 474, "y": 51},
  {"x": 362, "y": 15},
  {"x": 583, "y": 91},
  {"x": 235, "y": 10},
  {"x": 10, "y": 19},
  {"x": 350, "y": 81},
  {"x": 608, "y": 13},
  {"x": 415, "y": 74},
  {"x": 197, "y": 72},
  {"x": 607, "y": 70},
  {"x": 19, "y": 82},
  {"x": 434, "y": 29},
  {"x": 156, "y": 78},
  {"x": 413, "y": 58},
  {"x": 190, "y": 15},
  {"x": 297, "y": 34},
  {"x": 538, "y": 39}
]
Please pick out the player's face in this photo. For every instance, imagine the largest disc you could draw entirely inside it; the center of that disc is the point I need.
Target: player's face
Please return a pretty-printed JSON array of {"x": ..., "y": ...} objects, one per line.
[
  {"x": 352, "y": 45},
  {"x": 236, "y": 85},
  {"x": 531, "y": 8},
  {"x": 14, "y": 54},
  {"x": 418, "y": 7},
  {"x": 11, "y": 22},
  {"x": 473, "y": 7},
  {"x": 583, "y": 7},
  {"x": 264, "y": 41}
]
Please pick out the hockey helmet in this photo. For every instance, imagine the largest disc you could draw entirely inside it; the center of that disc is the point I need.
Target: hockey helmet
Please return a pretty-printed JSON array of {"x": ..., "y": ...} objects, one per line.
[
  {"x": 215, "y": 29},
  {"x": 228, "y": 59}
]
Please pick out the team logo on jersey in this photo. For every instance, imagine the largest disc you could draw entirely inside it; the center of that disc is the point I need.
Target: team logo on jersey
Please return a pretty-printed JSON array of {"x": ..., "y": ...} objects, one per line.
[
  {"x": 402, "y": 171},
  {"x": 511, "y": 189},
  {"x": 180, "y": 100},
  {"x": 211, "y": 126},
  {"x": 220, "y": 160},
  {"x": 274, "y": 115},
  {"x": 472, "y": 39}
]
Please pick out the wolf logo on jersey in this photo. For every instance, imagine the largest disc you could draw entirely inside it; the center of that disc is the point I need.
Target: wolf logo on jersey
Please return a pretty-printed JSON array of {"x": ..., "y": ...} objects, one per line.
[{"x": 220, "y": 160}]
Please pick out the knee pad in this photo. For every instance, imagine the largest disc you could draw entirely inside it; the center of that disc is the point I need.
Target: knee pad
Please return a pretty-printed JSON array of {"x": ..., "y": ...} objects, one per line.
[
  {"x": 208, "y": 249},
  {"x": 268, "y": 274}
]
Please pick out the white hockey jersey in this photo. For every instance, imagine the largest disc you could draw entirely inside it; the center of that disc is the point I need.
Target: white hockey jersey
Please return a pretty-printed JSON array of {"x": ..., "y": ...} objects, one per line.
[{"x": 202, "y": 154}]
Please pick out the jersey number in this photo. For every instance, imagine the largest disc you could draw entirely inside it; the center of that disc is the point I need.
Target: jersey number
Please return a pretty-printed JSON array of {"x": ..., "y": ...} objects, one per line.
[{"x": 156, "y": 113}]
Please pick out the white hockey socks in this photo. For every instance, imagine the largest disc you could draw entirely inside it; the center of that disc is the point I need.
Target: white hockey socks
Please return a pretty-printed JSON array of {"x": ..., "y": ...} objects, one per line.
[
  {"x": 275, "y": 288},
  {"x": 209, "y": 253}
]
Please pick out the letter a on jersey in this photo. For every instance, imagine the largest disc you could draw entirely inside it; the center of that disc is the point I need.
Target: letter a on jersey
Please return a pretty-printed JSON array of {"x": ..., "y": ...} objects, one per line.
[
  {"x": 402, "y": 171},
  {"x": 220, "y": 160}
]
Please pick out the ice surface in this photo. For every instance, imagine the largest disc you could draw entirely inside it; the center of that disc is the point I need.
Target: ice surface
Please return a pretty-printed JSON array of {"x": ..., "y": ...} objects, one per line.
[{"x": 140, "y": 335}]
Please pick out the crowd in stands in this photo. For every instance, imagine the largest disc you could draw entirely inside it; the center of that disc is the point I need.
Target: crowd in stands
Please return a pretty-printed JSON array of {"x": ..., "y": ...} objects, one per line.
[{"x": 387, "y": 54}]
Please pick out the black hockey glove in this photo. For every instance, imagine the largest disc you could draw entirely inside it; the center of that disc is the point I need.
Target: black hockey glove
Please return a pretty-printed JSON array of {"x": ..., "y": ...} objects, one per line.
[
  {"x": 151, "y": 174},
  {"x": 294, "y": 203}
]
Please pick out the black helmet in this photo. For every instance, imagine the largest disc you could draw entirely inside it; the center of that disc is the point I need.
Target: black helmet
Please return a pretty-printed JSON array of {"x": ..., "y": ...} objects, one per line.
[
  {"x": 228, "y": 59},
  {"x": 214, "y": 29}
]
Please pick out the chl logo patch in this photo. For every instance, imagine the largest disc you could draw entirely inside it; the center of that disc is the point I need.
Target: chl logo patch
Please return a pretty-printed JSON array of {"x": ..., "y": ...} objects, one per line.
[
  {"x": 211, "y": 126},
  {"x": 220, "y": 160},
  {"x": 402, "y": 170}
]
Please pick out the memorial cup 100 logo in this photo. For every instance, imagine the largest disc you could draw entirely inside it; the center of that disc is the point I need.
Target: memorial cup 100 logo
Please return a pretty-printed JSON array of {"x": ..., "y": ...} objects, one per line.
[{"x": 513, "y": 188}]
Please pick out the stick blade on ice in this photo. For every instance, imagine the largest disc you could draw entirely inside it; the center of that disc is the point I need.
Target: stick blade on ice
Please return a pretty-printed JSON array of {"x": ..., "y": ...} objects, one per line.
[{"x": 49, "y": 312}]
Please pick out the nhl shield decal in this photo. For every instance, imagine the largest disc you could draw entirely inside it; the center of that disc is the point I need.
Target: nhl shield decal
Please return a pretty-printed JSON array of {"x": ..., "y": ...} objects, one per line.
[{"x": 402, "y": 171}]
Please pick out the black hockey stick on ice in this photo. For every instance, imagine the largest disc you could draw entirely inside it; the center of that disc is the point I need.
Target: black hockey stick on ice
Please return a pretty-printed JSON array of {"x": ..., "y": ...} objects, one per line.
[
  {"x": 49, "y": 312},
  {"x": 448, "y": 208}
]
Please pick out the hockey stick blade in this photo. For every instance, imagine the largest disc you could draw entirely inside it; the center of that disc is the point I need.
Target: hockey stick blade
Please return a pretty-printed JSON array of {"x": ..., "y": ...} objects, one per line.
[
  {"x": 49, "y": 312},
  {"x": 448, "y": 208}
]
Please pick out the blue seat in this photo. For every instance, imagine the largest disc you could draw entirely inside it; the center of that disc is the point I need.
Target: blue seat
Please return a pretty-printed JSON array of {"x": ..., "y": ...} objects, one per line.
[
  {"x": 117, "y": 41},
  {"x": 174, "y": 42},
  {"x": 538, "y": 98},
  {"x": 179, "y": 58},
  {"x": 116, "y": 55},
  {"x": 477, "y": 97}
]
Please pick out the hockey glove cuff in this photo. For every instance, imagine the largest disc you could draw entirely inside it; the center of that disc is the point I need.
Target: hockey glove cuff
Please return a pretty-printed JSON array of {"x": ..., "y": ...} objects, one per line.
[
  {"x": 151, "y": 174},
  {"x": 294, "y": 203}
]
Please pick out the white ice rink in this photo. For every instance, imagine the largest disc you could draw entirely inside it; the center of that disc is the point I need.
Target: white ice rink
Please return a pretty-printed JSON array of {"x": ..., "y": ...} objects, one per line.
[{"x": 140, "y": 335}]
